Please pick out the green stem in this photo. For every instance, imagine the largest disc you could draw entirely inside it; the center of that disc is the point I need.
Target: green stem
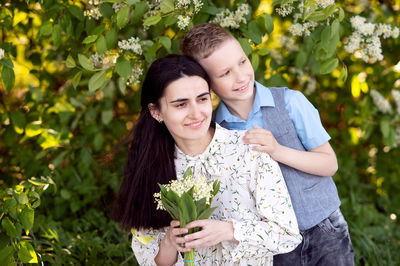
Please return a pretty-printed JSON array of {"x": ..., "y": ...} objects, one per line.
[{"x": 189, "y": 258}]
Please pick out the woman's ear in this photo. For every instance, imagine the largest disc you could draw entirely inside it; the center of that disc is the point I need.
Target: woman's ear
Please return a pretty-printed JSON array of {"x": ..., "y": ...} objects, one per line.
[{"x": 155, "y": 112}]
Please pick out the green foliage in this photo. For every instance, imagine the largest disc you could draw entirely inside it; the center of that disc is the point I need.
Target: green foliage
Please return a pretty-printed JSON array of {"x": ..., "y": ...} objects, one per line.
[{"x": 69, "y": 92}]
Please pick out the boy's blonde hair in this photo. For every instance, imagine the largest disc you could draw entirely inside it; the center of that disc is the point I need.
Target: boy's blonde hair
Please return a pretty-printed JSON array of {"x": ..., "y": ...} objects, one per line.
[{"x": 201, "y": 41}]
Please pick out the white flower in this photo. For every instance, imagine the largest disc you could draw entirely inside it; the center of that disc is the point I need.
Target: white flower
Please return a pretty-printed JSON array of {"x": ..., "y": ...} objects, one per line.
[
  {"x": 381, "y": 103},
  {"x": 325, "y": 3},
  {"x": 118, "y": 5},
  {"x": 182, "y": 4},
  {"x": 231, "y": 19},
  {"x": 183, "y": 22},
  {"x": 357, "y": 22},
  {"x": 1, "y": 53},
  {"x": 93, "y": 13},
  {"x": 367, "y": 29},
  {"x": 131, "y": 44},
  {"x": 354, "y": 42},
  {"x": 285, "y": 10},
  {"x": 137, "y": 72},
  {"x": 384, "y": 29},
  {"x": 395, "y": 32},
  {"x": 198, "y": 4},
  {"x": 296, "y": 29},
  {"x": 396, "y": 98}
]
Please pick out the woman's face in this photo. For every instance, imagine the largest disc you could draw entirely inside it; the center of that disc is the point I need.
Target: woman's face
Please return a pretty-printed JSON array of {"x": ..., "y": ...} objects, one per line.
[{"x": 186, "y": 109}]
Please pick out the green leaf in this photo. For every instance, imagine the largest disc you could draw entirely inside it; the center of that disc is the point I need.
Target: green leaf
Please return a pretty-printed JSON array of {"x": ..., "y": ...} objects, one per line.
[
  {"x": 254, "y": 32},
  {"x": 328, "y": 66},
  {"x": 326, "y": 35},
  {"x": 167, "y": 6},
  {"x": 46, "y": 29},
  {"x": 212, "y": 10},
  {"x": 76, "y": 79},
  {"x": 8, "y": 77},
  {"x": 18, "y": 121},
  {"x": 33, "y": 129},
  {"x": 301, "y": 59},
  {"x": 101, "y": 44},
  {"x": 343, "y": 74},
  {"x": 172, "y": 196},
  {"x": 122, "y": 85},
  {"x": 111, "y": 38},
  {"x": 269, "y": 22},
  {"x": 7, "y": 62},
  {"x": 9, "y": 227},
  {"x": 22, "y": 198},
  {"x": 149, "y": 21},
  {"x": 245, "y": 46},
  {"x": 89, "y": 39},
  {"x": 335, "y": 26},
  {"x": 57, "y": 35},
  {"x": 255, "y": 60},
  {"x": 216, "y": 186},
  {"x": 8, "y": 204},
  {"x": 140, "y": 9},
  {"x": 385, "y": 126},
  {"x": 205, "y": 214},
  {"x": 97, "y": 81},
  {"x": 170, "y": 20},
  {"x": 26, "y": 217},
  {"x": 317, "y": 16},
  {"x": 200, "y": 204},
  {"x": 187, "y": 199},
  {"x": 123, "y": 67},
  {"x": 106, "y": 10},
  {"x": 6, "y": 255},
  {"x": 26, "y": 253},
  {"x": 85, "y": 62},
  {"x": 123, "y": 16},
  {"x": 341, "y": 14},
  {"x": 106, "y": 116},
  {"x": 329, "y": 10},
  {"x": 76, "y": 12},
  {"x": 188, "y": 172},
  {"x": 166, "y": 42},
  {"x": 70, "y": 62},
  {"x": 263, "y": 51}
]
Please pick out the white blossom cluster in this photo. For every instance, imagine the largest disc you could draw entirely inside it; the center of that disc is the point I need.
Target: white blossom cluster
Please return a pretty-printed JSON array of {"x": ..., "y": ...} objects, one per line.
[
  {"x": 231, "y": 19},
  {"x": 185, "y": 4},
  {"x": 118, "y": 5},
  {"x": 134, "y": 79},
  {"x": 285, "y": 9},
  {"x": 325, "y": 3},
  {"x": 131, "y": 44},
  {"x": 305, "y": 29},
  {"x": 183, "y": 22},
  {"x": 106, "y": 59},
  {"x": 289, "y": 43},
  {"x": 364, "y": 42},
  {"x": 201, "y": 189},
  {"x": 94, "y": 11},
  {"x": 381, "y": 103},
  {"x": 1, "y": 53},
  {"x": 396, "y": 98}
]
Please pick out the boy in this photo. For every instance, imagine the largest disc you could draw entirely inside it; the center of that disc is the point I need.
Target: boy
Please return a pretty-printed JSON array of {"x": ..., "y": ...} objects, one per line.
[{"x": 283, "y": 123}]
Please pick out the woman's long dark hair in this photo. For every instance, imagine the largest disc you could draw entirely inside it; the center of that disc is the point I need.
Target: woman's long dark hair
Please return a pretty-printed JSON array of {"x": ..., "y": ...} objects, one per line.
[{"x": 151, "y": 154}]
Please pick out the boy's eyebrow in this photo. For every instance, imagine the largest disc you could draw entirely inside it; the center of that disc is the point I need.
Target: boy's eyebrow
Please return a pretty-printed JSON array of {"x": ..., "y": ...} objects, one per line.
[{"x": 185, "y": 99}]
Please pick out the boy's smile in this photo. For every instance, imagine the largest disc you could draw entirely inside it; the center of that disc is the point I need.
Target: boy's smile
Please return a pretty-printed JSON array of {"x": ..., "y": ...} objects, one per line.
[{"x": 231, "y": 73}]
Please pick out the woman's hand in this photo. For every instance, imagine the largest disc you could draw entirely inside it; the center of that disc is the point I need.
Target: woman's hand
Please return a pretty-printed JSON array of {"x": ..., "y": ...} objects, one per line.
[
  {"x": 171, "y": 244},
  {"x": 174, "y": 238},
  {"x": 212, "y": 232}
]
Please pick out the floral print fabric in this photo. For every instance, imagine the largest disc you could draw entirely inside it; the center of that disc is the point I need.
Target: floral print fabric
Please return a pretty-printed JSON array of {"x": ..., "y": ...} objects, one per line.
[{"x": 253, "y": 195}]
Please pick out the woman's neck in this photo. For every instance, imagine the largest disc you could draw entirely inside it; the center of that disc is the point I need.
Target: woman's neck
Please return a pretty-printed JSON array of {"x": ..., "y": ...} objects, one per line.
[{"x": 196, "y": 147}]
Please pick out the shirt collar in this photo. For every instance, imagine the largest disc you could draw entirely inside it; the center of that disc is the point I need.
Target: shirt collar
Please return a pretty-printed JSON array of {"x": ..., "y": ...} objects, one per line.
[
  {"x": 262, "y": 98},
  {"x": 204, "y": 163}
]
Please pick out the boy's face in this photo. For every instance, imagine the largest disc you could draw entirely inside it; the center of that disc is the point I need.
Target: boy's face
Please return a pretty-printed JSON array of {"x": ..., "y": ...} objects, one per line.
[{"x": 231, "y": 73}]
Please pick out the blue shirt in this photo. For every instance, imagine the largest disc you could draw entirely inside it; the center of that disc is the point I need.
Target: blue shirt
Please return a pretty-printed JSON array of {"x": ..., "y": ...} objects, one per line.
[{"x": 304, "y": 115}]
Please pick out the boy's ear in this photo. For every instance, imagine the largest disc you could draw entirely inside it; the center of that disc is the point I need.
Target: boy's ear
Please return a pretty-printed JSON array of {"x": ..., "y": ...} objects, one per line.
[{"x": 155, "y": 113}]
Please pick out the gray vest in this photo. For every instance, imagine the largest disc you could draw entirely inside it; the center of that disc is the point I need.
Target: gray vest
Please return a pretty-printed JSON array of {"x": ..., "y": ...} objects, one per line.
[{"x": 314, "y": 198}]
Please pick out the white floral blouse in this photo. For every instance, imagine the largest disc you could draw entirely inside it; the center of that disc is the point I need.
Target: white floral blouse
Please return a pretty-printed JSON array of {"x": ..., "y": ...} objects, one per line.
[{"x": 253, "y": 195}]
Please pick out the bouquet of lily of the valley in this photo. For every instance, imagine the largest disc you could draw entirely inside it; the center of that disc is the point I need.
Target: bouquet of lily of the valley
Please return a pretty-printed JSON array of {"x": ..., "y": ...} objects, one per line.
[{"x": 186, "y": 200}]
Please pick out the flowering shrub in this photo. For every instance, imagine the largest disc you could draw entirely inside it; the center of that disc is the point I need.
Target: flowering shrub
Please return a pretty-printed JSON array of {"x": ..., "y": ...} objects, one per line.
[{"x": 70, "y": 75}]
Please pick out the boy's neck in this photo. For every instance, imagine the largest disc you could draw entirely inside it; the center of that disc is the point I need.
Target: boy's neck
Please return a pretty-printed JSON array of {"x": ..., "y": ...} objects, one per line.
[{"x": 241, "y": 109}]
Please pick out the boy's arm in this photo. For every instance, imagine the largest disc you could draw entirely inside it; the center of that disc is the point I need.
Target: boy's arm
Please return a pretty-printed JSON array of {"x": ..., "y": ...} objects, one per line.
[{"x": 319, "y": 161}]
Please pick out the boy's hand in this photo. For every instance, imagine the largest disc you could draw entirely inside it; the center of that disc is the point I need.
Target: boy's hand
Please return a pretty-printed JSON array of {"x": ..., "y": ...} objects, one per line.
[{"x": 264, "y": 138}]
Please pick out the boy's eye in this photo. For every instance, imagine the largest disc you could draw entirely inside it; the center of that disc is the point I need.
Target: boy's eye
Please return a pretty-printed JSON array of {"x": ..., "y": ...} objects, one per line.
[
  {"x": 243, "y": 61},
  {"x": 225, "y": 74}
]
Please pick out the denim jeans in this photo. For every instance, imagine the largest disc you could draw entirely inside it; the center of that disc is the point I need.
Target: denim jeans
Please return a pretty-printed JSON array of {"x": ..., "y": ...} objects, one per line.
[{"x": 328, "y": 243}]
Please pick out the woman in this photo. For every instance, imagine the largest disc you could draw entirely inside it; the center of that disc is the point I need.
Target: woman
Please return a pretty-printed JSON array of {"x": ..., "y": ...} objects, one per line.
[{"x": 254, "y": 218}]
